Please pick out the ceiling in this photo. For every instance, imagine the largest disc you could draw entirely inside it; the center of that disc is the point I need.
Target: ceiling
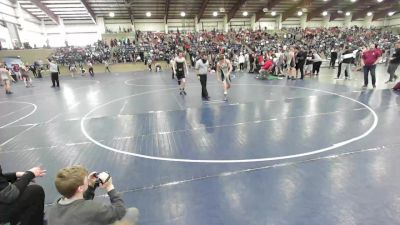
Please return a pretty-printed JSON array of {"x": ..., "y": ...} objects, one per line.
[{"x": 88, "y": 10}]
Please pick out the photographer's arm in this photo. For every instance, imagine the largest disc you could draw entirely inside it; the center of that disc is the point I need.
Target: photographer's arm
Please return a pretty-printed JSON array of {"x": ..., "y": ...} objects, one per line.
[
  {"x": 90, "y": 192},
  {"x": 116, "y": 211}
]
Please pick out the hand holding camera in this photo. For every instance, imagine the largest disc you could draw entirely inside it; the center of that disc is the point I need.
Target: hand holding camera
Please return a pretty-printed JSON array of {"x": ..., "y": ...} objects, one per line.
[{"x": 103, "y": 180}]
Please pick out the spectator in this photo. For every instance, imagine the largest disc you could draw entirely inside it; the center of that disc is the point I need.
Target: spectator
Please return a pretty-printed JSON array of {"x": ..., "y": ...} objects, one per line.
[
  {"x": 334, "y": 56},
  {"x": 21, "y": 203},
  {"x": 394, "y": 64},
  {"x": 347, "y": 59},
  {"x": 5, "y": 78},
  {"x": 242, "y": 60},
  {"x": 370, "y": 59},
  {"x": 76, "y": 206},
  {"x": 16, "y": 71},
  {"x": 317, "y": 61}
]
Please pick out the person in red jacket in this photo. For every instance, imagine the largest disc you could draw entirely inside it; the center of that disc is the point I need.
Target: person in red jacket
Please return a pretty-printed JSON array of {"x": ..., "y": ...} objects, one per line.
[
  {"x": 369, "y": 60},
  {"x": 267, "y": 68}
]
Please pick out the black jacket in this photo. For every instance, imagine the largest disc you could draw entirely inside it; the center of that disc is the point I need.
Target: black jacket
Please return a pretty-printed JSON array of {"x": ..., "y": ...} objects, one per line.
[
  {"x": 301, "y": 57},
  {"x": 334, "y": 55},
  {"x": 11, "y": 187},
  {"x": 396, "y": 56},
  {"x": 347, "y": 60}
]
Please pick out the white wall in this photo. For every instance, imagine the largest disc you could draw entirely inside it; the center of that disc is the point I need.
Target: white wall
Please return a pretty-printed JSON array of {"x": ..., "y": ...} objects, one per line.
[
  {"x": 75, "y": 34},
  {"x": 291, "y": 22},
  {"x": 395, "y": 21},
  {"x": 114, "y": 24},
  {"x": 156, "y": 25},
  {"x": 186, "y": 24},
  {"x": 7, "y": 12},
  {"x": 210, "y": 24},
  {"x": 31, "y": 30},
  {"x": 314, "y": 23},
  {"x": 269, "y": 23},
  {"x": 243, "y": 23},
  {"x": 5, "y": 38}
]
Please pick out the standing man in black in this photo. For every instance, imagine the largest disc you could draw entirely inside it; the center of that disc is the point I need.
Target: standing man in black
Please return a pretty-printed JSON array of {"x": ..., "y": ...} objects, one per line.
[
  {"x": 202, "y": 68},
  {"x": 334, "y": 56},
  {"x": 301, "y": 58},
  {"x": 394, "y": 64},
  {"x": 55, "y": 71},
  {"x": 251, "y": 60}
]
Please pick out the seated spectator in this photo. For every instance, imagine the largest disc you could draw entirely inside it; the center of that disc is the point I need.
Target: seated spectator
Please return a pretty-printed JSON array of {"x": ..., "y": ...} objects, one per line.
[
  {"x": 76, "y": 206},
  {"x": 21, "y": 203},
  {"x": 267, "y": 69}
]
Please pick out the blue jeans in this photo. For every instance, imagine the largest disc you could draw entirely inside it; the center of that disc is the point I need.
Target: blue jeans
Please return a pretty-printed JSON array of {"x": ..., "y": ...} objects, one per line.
[{"x": 368, "y": 69}]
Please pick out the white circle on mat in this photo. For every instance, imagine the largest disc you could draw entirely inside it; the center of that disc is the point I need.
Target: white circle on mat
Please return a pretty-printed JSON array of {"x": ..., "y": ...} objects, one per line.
[
  {"x": 23, "y": 117},
  {"x": 313, "y": 152}
]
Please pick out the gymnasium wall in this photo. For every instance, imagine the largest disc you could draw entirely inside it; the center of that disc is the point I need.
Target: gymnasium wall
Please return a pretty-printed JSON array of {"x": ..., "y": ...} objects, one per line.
[
  {"x": 75, "y": 34},
  {"x": 395, "y": 21}
]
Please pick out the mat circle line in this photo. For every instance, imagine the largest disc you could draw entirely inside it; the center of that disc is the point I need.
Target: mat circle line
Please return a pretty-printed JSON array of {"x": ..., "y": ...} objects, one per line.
[
  {"x": 252, "y": 160},
  {"x": 21, "y": 118}
]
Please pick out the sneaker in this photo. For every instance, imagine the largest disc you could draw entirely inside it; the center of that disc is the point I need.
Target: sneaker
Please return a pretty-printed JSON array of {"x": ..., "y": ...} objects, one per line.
[
  {"x": 389, "y": 81},
  {"x": 181, "y": 93},
  {"x": 184, "y": 92},
  {"x": 225, "y": 97},
  {"x": 374, "y": 86},
  {"x": 364, "y": 86}
]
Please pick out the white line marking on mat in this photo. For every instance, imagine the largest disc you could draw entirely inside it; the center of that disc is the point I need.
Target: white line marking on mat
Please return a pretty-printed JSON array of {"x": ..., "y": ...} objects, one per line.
[
  {"x": 33, "y": 111},
  {"x": 313, "y": 152}
]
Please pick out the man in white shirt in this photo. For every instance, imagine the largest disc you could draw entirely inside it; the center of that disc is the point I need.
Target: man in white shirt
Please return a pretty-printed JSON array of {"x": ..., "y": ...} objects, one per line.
[
  {"x": 202, "y": 68},
  {"x": 55, "y": 71},
  {"x": 241, "y": 61}
]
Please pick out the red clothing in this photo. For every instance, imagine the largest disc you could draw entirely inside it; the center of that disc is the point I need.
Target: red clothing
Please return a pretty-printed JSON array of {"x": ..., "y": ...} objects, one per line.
[
  {"x": 261, "y": 59},
  {"x": 379, "y": 51},
  {"x": 370, "y": 57},
  {"x": 268, "y": 65},
  {"x": 16, "y": 68}
]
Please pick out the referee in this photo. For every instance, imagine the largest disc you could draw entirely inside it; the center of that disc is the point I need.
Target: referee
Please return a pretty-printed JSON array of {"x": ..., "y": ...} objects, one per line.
[{"x": 55, "y": 71}]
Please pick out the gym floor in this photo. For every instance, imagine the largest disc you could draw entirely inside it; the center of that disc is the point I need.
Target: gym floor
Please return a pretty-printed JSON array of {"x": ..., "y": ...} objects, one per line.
[{"x": 316, "y": 151}]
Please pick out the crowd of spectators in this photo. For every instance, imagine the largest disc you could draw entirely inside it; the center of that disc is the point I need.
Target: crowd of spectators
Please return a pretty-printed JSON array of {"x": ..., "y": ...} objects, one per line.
[{"x": 260, "y": 44}]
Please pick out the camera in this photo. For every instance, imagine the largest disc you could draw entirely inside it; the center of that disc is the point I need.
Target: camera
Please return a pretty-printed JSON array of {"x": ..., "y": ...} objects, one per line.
[{"x": 102, "y": 178}]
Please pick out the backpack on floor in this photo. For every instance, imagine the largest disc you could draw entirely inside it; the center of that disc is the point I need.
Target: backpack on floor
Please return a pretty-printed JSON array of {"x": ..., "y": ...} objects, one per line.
[{"x": 397, "y": 87}]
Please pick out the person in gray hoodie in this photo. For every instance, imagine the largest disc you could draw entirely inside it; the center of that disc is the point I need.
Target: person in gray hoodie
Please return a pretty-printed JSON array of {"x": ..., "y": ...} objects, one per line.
[{"x": 76, "y": 206}]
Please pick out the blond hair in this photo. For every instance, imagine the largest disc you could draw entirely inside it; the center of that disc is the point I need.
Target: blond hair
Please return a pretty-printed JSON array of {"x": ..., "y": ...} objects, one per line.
[{"x": 69, "y": 179}]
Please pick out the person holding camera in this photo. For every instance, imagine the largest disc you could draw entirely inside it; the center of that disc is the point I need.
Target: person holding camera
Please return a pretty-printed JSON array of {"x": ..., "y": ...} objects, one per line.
[
  {"x": 76, "y": 206},
  {"x": 21, "y": 203}
]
